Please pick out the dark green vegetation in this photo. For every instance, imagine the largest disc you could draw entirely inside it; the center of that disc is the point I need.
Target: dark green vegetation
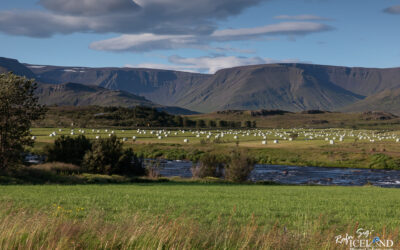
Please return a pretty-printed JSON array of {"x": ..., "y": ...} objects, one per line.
[
  {"x": 193, "y": 216},
  {"x": 100, "y": 117},
  {"x": 18, "y": 108},
  {"x": 292, "y": 87},
  {"x": 107, "y": 156},
  {"x": 358, "y": 155},
  {"x": 307, "y": 119},
  {"x": 103, "y": 156}
]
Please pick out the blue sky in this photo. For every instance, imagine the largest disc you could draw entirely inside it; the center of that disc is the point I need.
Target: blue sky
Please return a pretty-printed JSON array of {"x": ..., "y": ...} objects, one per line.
[{"x": 201, "y": 35}]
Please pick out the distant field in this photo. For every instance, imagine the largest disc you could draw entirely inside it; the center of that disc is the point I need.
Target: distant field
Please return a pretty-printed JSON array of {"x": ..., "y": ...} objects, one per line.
[
  {"x": 373, "y": 120},
  {"x": 311, "y": 147},
  {"x": 214, "y": 215}
]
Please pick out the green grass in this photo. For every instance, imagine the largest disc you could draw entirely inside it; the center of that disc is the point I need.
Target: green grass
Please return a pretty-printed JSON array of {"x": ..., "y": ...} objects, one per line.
[
  {"x": 192, "y": 216},
  {"x": 293, "y": 206}
]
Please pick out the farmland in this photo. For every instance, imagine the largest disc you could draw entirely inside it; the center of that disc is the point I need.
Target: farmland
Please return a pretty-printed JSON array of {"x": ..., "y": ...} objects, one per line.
[{"x": 303, "y": 147}]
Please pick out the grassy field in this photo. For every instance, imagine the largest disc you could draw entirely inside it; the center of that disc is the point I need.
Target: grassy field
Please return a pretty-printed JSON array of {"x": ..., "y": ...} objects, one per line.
[
  {"x": 374, "y": 120},
  {"x": 189, "y": 215},
  {"x": 303, "y": 147}
]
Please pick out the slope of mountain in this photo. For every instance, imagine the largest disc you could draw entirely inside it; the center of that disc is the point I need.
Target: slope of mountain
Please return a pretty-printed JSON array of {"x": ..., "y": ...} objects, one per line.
[
  {"x": 75, "y": 94},
  {"x": 387, "y": 100},
  {"x": 7, "y": 65},
  {"x": 280, "y": 86},
  {"x": 362, "y": 81},
  {"x": 162, "y": 86}
]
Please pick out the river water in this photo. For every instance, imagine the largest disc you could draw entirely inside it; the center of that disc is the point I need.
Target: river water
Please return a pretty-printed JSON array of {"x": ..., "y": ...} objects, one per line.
[{"x": 301, "y": 175}]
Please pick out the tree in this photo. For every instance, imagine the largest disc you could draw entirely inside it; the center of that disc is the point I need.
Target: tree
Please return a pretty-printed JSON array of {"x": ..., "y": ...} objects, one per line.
[
  {"x": 210, "y": 166},
  {"x": 211, "y": 124},
  {"x": 247, "y": 124},
  {"x": 178, "y": 120},
  {"x": 200, "y": 124},
  {"x": 68, "y": 149},
  {"x": 222, "y": 124},
  {"x": 107, "y": 156},
  {"x": 18, "y": 108},
  {"x": 239, "y": 167}
]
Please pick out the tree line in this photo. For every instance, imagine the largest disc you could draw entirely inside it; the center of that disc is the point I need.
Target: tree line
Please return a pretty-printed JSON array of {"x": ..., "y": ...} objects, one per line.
[{"x": 139, "y": 116}]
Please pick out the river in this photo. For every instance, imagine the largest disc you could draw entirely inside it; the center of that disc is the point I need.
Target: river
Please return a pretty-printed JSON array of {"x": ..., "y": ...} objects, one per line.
[{"x": 301, "y": 175}]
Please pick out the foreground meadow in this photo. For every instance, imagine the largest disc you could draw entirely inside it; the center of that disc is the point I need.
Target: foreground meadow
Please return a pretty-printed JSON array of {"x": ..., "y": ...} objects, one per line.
[{"x": 189, "y": 215}]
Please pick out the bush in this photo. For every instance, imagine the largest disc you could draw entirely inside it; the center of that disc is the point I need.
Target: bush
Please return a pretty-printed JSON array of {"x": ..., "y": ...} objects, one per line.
[
  {"x": 382, "y": 161},
  {"x": 68, "y": 149},
  {"x": 239, "y": 167},
  {"x": 107, "y": 156},
  {"x": 210, "y": 166}
]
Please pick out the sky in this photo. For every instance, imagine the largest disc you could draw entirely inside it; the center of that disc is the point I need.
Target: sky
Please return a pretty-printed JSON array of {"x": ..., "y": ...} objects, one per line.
[{"x": 201, "y": 35}]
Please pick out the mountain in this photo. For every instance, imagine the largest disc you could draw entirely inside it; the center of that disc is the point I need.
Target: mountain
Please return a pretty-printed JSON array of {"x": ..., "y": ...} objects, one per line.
[
  {"x": 361, "y": 81},
  {"x": 279, "y": 86},
  {"x": 292, "y": 87},
  {"x": 75, "y": 94},
  {"x": 7, "y": 65},
  {"x": 387, "y": 100},
  {"x": 161, "y": 86}
]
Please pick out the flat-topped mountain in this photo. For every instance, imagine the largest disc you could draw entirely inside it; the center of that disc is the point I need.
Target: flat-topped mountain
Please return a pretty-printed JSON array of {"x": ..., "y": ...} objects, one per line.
[
  {"x": 292, "y": 87},
  {"x": 276, "y": 86}
]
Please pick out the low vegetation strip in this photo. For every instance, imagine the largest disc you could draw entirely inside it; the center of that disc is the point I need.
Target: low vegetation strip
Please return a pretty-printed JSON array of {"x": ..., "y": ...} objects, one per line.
[{"x": 189, "y": 215}]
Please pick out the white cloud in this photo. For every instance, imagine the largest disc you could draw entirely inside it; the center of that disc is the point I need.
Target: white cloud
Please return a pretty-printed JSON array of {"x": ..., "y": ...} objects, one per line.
[
  {"x": 285, "y": 28},
  {"x": 210, "y": 64},
  {"x": 144, "y": 42},
  {"x": 149, "y": 42},
  {"x": 305, "y": 17},
  {"x": 393, "y": 10}
]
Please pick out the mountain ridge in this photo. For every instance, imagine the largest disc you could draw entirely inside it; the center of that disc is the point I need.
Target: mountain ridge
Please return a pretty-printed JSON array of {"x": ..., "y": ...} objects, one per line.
[{"x": 286, "y": 86}]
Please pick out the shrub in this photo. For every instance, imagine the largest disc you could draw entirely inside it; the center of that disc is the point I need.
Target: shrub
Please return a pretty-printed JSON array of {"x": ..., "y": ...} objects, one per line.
[
  {"x": 153, "y": 169},
  {"x": 107, "y": 156},
  {"x": 382, "y": 161},
  {"x": 210, "y": 166},
  {"x": 68, "y": 149},
  {"x": 239, "y": 167}
]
